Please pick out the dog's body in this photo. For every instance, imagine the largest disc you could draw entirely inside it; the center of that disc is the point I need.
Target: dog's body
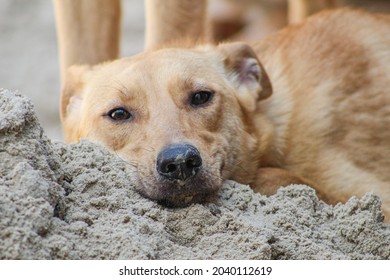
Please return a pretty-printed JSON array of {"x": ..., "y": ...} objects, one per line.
[
  {"x": 188, "y": 118},
  {"x": 331, "y": 102}
]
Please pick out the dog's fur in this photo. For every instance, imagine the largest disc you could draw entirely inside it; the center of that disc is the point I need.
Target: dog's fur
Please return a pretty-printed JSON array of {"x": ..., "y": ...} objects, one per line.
[{"x": 324, "y": 121}]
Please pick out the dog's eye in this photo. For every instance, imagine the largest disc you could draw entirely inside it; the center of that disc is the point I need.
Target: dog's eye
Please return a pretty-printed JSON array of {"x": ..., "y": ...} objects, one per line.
[
  {"x": 119, "y": 114},
  {"x": 200, "y": 98}
]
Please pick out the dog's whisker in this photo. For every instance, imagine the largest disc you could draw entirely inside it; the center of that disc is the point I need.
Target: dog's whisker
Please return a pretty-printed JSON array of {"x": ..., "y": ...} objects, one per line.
[
  {"x": 124, "y": 160},
  {"x": 150, "y": 149},
  {"x": 133, "y": 164}
]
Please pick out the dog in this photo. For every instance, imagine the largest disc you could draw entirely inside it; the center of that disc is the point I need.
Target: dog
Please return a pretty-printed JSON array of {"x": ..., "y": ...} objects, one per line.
[{"x": 309, "y": 104}]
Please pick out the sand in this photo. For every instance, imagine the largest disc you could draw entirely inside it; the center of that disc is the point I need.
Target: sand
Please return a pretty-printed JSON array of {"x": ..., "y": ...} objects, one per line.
[{"x": 60, "y": 201}]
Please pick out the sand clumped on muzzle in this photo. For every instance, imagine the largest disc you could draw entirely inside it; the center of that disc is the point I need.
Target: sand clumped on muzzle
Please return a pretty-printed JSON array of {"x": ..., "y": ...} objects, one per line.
[{"x": 60, "y": 201}]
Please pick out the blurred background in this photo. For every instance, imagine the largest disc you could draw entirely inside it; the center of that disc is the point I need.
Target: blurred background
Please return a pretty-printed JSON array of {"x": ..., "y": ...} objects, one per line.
[
  {"x": 29, "y": 57},
  {"x": 28, "y": 46}
]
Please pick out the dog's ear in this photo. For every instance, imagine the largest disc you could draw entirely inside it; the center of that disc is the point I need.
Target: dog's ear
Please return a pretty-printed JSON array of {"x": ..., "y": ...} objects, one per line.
[
  {"x": 246, "y": 73},
  {"x": 71, "y": 99},
  {"x": 72, "y": 90}
]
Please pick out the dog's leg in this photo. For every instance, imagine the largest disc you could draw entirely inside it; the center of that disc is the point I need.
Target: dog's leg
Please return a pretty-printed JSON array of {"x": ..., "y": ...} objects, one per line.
[
  {"x": 175, "y": 20},
  {"x": 298, "y": 10},
  {"x": 270, "y": 179},
  {"x": 88, "y": 31}
]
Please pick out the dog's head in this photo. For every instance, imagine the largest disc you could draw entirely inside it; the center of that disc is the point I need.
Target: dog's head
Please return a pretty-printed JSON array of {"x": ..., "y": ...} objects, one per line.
[{"x": 180, "y": 117}]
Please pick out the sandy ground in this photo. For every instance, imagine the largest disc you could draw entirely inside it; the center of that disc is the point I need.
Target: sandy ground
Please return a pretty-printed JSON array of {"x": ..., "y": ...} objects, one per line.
[
  {"x": 28, "y": 52},
  {"x": 61, "y": 201}
]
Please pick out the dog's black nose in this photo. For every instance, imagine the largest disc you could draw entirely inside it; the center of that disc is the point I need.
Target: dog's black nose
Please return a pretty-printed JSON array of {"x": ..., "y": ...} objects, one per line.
[{"x": 179, "y": 162}]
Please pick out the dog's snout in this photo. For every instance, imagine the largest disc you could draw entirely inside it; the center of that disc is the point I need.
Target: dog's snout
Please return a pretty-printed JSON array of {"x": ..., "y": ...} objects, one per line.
[{"x": 179, "y": 162}]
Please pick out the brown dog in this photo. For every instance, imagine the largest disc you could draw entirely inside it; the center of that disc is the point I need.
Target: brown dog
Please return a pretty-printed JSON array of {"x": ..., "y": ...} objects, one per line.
[{"x": 189, "y": 118}]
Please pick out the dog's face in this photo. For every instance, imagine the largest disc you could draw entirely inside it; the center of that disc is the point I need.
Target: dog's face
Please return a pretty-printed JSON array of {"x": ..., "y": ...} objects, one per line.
[{"x": 180, "y": 117}]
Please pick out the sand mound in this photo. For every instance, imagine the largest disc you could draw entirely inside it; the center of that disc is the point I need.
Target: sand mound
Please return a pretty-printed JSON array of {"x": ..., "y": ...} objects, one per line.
[{"x": 61, "y": 201}]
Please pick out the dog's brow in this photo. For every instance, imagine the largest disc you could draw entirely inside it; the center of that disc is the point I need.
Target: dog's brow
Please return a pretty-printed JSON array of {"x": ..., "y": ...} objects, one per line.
[
  {"x": 121, "y": 88},
  {"x": 117, "y": 86},
  {"x": 195, "y": 84}
]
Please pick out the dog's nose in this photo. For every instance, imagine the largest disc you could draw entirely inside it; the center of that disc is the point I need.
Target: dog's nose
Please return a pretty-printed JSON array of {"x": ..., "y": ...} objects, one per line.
[{"x": 179, "y": 162}]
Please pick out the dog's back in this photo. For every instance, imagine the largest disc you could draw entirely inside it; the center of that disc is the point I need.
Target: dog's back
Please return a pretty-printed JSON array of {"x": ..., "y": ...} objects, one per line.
[{"x": 331, "y": 103}]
